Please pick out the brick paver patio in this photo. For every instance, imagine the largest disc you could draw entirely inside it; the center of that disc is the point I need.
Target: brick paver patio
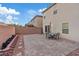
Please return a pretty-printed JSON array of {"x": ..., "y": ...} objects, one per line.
[
  {"x": 38, "y": 45},
  {"x": 19, "y": 48}
]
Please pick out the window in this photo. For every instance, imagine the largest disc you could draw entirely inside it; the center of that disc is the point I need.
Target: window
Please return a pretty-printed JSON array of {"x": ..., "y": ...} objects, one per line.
[
  {"x": 47, "y": 28},
  {"x": 65, "y": 28},
  {"x": 55, "y": 12}
]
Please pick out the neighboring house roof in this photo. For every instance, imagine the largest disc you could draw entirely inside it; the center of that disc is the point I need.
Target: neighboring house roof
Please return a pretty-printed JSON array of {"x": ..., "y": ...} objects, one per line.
[
  {"x": 35, "y": 17},
  {"x": 49, "y": 7}
]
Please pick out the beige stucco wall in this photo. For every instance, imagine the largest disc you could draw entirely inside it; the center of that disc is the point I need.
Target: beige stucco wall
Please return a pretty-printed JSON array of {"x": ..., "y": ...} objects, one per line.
[
  {"x": 37, "y": 22},
  {"x": 66, "y": 13},
  {"x": 6, "y": 32}
]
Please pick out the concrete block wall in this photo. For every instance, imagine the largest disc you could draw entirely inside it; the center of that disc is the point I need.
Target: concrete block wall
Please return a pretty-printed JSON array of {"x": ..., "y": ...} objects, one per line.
[
  {"x": 5, "y": 33},
  {"x": 28, "y": 30}
]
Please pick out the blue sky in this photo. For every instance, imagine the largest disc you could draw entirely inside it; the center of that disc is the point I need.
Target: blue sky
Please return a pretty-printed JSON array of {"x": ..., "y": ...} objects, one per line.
[{"x": 20, "y": 13}]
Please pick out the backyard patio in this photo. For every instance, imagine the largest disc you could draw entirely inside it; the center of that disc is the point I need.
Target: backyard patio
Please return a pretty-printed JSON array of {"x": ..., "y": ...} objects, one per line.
[{"x": 38, "y": 45}]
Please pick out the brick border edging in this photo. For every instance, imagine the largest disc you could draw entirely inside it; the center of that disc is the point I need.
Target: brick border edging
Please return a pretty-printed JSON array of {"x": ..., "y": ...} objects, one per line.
[
  {"x": 8, "y": 51},
  {"x": 23, "y": 45},
  {"x": 19, "y": 51},
  {"x": 73, "y": 53}
]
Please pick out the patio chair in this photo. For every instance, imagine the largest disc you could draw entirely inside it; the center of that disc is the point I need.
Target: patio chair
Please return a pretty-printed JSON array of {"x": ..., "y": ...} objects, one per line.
[
  {"x": 53, "y": 35},
  {"x": 57, "y": 35}
]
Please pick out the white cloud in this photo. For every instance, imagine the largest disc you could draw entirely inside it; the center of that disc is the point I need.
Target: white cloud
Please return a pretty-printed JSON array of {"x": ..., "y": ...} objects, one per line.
[
  {"x": 9, "y": 19},
  {"x": 31, "y": 13},
  {"x": 8, "y": 15},
  {"x": 5, "y": 10},
  {"x": 13, "y": 11},
  {"x": 41, "y": 10}
]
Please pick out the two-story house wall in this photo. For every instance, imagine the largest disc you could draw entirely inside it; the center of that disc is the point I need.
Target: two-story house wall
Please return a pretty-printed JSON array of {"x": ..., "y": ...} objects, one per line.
[{"x": 62, "y": 18}]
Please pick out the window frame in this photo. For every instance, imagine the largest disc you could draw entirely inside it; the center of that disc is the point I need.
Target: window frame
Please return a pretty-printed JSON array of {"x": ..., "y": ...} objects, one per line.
[
  {"x": 55, "y": 12},
  {"x": 47, "y": 28},
  {"x": 65, "y": 28}
]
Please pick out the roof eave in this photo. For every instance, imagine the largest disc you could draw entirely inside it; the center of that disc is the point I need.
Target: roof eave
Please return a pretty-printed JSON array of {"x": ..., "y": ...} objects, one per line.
[
  {"x": 34, "y": 18},
  {"x": 48, "y": 8}
]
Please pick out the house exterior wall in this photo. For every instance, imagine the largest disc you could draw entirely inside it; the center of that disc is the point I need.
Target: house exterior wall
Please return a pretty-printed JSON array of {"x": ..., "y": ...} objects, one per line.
[
  {"x": 6, "y": 32},
  {"x": 66, "y": 13},
  {"x": 37, "y": 22}
]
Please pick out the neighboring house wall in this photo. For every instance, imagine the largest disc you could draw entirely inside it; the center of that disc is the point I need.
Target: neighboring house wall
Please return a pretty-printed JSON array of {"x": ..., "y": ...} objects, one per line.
[
  {"x": 6, "y": 32},
  {"x": 37, "y": 21},
  {"x": 66, "y": 13}
]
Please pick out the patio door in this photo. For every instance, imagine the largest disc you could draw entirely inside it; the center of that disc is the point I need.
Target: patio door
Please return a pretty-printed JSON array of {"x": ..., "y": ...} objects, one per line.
[{"x": 47, "y": 29}]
